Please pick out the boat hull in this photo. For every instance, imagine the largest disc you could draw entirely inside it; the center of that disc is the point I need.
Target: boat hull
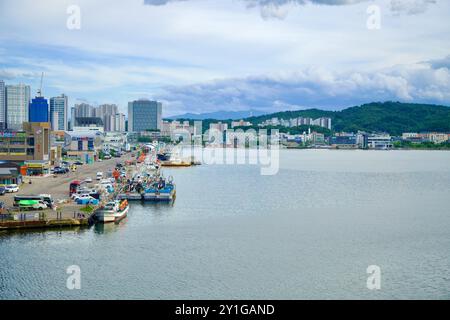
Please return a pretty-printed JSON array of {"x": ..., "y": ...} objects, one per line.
[
  {"x": 129, "y": 196},
  {"x": 109, "y": 216},
  {"x": 154, "y": 196}
]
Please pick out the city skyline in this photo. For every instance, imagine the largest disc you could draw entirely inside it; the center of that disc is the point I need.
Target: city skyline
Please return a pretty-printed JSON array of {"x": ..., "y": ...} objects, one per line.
[{"x": 236, "y": 55}]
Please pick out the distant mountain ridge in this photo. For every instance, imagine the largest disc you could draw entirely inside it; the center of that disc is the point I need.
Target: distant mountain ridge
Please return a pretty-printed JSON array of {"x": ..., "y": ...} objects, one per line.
[
  {"x": 218, "y": 115},
  {"x": 391, "y": 117}
]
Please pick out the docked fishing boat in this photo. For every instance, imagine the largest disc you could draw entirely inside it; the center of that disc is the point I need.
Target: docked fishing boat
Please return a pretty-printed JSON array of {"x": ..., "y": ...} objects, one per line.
[
  {"x": 113, "y": 211},
  {"x": 129, "y": 196},
  {"x": 160, "y": 191},
  {"x": 176, "y": 162}
]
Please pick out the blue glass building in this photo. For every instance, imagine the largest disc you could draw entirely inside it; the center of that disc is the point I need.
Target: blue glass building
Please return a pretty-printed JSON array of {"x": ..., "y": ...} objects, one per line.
[
  {"x": 38, "y": 111},
  {"x": 144, "y": 115}
]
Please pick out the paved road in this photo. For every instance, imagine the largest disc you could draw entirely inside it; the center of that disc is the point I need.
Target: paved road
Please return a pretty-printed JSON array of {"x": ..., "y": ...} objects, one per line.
[{"x": 59, "y": 187}]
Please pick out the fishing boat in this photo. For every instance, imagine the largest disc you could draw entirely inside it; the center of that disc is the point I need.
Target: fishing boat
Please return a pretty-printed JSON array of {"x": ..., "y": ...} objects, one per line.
[
  {"x": 160, "y": 191},
  {"x": 176, "y": 162},
  {"x": 113, "y": 211},
  {"x": 129, "y": 196}
]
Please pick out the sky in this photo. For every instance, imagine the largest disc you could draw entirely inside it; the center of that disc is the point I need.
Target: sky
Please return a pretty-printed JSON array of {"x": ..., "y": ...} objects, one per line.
[{"x": 206, "y": 55}]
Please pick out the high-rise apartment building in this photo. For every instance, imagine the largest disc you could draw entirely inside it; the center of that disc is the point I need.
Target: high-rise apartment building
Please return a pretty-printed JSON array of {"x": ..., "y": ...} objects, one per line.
[
  {"x": 58, "y": 112},
  {"x": 144, "y": 115},
  {"x": 107, "y": 113},
  {"x": 17, "y": 104},
  {"x": 119, "y": 122},
  {"x": 2, "y": 105},
  {"x": 84, "y": 110},
  {"x": 106, "y": 110}
]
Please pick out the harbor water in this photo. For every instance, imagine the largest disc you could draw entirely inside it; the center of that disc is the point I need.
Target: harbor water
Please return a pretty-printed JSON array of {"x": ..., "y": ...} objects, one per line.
[{"x": 308, "y": 232}]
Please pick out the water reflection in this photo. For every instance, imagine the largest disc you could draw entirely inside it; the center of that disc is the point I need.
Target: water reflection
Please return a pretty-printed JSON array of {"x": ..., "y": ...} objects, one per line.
[{"x": 109, "y": 228}]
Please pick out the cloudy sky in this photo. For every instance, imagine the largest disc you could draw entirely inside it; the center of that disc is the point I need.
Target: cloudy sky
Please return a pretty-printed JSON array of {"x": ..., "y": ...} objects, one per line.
[{"x": 206, "y": 55}]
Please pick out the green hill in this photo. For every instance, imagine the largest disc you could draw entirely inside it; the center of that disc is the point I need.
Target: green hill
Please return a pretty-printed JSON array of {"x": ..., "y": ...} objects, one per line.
[{"x": 392, "y": 117}]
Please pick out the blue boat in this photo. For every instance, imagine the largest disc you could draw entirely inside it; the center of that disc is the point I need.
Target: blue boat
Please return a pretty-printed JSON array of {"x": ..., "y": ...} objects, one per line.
[{"x": 160, "y": 191}]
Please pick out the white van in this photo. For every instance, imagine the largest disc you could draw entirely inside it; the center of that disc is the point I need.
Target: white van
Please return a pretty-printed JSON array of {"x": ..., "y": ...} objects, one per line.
[{"x": 99, "y": 175}]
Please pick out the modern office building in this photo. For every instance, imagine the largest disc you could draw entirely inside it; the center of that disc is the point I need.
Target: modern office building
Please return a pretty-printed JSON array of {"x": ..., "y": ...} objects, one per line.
[
  {"x": 17, "y": 104},
  {"x": 144, "y": 115},
  {"x": 59, "y": 112},
  {"x": 2, "y": 105},
  {"x": 38, "y": 111}
]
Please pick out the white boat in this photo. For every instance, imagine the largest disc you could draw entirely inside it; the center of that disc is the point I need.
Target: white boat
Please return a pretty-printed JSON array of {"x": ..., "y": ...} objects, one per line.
[{"x": 113, "y": 211}]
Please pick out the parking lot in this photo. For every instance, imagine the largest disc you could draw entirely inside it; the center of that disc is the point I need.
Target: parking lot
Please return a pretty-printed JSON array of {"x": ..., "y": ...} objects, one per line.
[{"x": 58, "y": 185}]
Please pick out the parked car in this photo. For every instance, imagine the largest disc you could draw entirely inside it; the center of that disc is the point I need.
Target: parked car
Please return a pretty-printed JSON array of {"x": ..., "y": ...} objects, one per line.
[
  {"x": 77, "y": 197},
  {"x": 88, "y": 180},
  {"x": 99, "y": 175},
  {"x": 59, "y": 170},
  {"x": 78, "y": 163},
  {"x": 2, "y": 191},
  {"x": 87, "y": 201},
  {"x": 32, "y": 204},
  {"x": 12, "y": 188}
]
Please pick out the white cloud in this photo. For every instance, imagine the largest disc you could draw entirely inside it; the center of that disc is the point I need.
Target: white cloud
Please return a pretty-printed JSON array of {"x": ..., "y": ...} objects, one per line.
[
  {"x": 411, "y": 6},
  {"x": 315, "y": 87},
  {"x": 131, "y": 50},
  {"x": 279, "y": 8}
]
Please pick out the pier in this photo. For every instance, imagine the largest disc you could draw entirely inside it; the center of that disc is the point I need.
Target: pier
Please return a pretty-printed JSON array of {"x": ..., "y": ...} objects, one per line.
[
  {"x": 139, "y": 179},
  {"x": 68, "y": 216}
]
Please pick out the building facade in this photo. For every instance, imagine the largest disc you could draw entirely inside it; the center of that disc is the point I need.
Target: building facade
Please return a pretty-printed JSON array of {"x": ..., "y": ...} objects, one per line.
[
  {"x": 119, "y": 122},
  {"x": 82, "y": 110},
  {"x": 2, "y": 105},
  {"x": 116, "y": 141},
  {"x": 108, "y": 112},
  {"x": 380, "y": 141},
  {"x": 59, "y": 113},
  {"x": 38, "y": 111},
  {"x": 88, "y": 122},
  {"x": 17, "y": 104},
  {"x": 10, "y": 173},
  {"x": 32, "y": 143},
  {"x": 144, "y": 115},
  {"x": 83, "y": 144}
]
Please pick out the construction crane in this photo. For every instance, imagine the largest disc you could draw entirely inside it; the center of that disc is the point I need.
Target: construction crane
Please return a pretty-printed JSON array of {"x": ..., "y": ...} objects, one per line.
[{"x": 39, "y": 92}]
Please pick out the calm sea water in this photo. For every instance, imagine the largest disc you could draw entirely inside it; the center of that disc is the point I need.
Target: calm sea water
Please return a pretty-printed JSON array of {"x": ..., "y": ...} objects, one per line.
[{"x": 308, "y": 232}]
